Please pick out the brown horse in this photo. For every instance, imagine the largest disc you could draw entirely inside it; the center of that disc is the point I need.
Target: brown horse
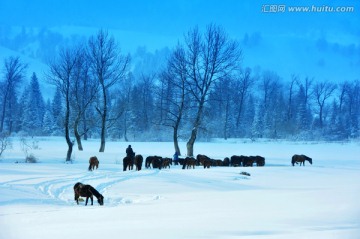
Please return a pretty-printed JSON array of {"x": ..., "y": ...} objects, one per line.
[
  {"x": 189, "y": 162},
  {"x": 300, "y": 159},
  {"x": 93, "y": 162},
  {"x": 138, "y": 161},
  {"x": 166, "y": 162},
  {"x": 82, "y": 190}
]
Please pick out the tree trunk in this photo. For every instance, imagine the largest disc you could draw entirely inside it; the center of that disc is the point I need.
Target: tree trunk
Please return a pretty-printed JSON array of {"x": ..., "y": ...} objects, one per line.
[
  {"x": 190, "y": 143},
  {"x": 321, "y": 116},
  {"x": 67, "y": 133},
  {"x": 102, "y": 134},
  {"x": 70, "y": 149},
  {"x": 77, "y": 135},
  {"x": 3, "y": 112},
  {"x": 103, "y": 121},
  {"x": 226, "y": 122},
  {"x": 175, "y": 138},
  {"x": 85, "y": 126}
]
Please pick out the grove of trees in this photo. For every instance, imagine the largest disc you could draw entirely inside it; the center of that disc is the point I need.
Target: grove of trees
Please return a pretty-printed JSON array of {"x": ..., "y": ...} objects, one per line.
[{"x": 199, "y": 90}]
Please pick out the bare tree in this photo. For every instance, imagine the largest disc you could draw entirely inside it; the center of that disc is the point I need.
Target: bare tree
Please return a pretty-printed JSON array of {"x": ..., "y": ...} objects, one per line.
[
  {"x": 108, "y": 66},
  {"x": 270, "y": 87},
  {"x": 61, "y": 74},
  {"x": 5, "y": 142},
  {"x": 83, "y": 92},
  {"x": 243, "y": 84},
  {"x": 353, "y": 108},
  {"x": 290, "y": 108},
  {"x": 210, "y": 57},
  {"x": 14, "y": 71},
  {"x": 174, "y": 81},
  {"x": 322, "y": 91}
]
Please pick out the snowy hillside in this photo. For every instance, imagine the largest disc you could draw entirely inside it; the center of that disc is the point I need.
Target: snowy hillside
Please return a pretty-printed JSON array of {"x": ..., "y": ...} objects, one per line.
[{"x": 276, "y": 201}]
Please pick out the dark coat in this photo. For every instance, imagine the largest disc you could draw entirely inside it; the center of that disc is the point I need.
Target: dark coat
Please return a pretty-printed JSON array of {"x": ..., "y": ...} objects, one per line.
[{"x": 130, "y": 152}]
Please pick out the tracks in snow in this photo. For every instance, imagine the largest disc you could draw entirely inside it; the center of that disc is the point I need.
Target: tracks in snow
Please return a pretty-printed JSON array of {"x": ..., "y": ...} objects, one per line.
[{"x": 58, "y": 189}]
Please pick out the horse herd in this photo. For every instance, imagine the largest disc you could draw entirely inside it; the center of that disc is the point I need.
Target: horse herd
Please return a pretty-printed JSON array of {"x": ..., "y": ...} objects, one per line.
[
  {"x": 82, "y": 190},
  {"x": 190, "y": 162}
]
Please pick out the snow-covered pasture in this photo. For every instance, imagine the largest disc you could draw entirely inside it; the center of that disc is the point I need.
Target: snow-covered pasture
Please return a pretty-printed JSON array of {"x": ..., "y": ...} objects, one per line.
[{"x": 276, "y": 201}]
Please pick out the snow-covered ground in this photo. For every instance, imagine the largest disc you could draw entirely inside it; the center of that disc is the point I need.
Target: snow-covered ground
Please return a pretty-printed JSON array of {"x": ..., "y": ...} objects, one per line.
[{"x": 277, "y": 201}]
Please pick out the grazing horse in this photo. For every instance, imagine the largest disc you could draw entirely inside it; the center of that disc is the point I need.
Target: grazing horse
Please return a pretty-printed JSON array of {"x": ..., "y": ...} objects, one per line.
[
  {"x": 166, "y": 162},
  {"x": 82, "y": 190},
  {"x": 300, "y": 158},
  {"x": 128, "y": 162},
  {"x": 236, "y": 161},
  {"x": 200, "y": 158},
  {"x": 157, "y": 162},
  {"x": 154, "y": 161},
  {"x": 188, "y": 162},
  {"x": 93, "y": 162},
  {"x": 207, "y": 162},
  {"x": 248, "y": 161}
]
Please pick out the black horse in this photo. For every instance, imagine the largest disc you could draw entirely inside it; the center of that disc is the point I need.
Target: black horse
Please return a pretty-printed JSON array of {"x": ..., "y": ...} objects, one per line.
[
  {"x": 82, "y": 190},
  {"x": 154, "y": 162},
  {"x": 128, "y": 162},
  {"x": 300, "y": 159}
]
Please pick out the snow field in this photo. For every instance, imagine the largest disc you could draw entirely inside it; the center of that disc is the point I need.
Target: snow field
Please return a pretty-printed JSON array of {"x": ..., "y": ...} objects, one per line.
[{"x": 276, "y": 201}]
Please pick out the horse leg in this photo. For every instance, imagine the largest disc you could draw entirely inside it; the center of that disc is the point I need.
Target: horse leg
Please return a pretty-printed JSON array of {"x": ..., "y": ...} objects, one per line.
[
  {"x": 125, "y": 166},
  {"x": 87, "y": 199},
  {"x": 77, "y": 199},
  {"x": 92, "y": 200}
]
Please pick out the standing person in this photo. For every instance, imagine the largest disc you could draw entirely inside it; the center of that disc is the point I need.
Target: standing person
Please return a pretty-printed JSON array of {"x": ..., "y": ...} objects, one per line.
[{"x": 176, "y": 158}]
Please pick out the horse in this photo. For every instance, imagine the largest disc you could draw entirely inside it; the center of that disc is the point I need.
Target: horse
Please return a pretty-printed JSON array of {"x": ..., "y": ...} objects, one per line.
[
  {"x": 188, "y": 162},
  {"x": 300, "y": 158},
  {"x": 236, "y": 161},
  {"x": 207, "y": 162},
  {"x": 154, "y": 162},
  {"x": 248, "y": 161},
  {"x": 226, "y": 162},
  {"x": 93, "y": 162},
  {"x": 157, "y": 162},
  {"x": 200, "y": 158},
  {"x": 138, "y": 161},
  {"x": 166, "y": 162},
  {"x": 128, "y": 162},
  {"x": 82, "y": 190},
  {"x": 260, "y": 161}
]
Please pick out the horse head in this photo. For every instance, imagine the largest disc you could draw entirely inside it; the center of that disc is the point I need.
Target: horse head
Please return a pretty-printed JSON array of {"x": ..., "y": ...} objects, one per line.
[{"x": 101, "y": 200}]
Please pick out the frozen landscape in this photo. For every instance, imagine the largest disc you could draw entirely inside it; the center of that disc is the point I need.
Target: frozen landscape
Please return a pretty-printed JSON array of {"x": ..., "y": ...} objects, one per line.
[{"x": 276, "y": 201}]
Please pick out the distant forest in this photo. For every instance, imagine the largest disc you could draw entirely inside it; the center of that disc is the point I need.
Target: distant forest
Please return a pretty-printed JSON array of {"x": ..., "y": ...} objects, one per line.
[{"x": 198, "y": 90}]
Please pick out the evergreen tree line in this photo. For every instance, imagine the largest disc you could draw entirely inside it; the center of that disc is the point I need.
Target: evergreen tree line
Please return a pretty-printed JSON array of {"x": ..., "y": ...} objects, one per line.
[{"x": 97, "y": 95}]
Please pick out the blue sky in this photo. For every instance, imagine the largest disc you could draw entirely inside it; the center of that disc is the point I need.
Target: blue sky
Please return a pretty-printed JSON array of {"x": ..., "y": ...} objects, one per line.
[{"x": 323, "y": 45}]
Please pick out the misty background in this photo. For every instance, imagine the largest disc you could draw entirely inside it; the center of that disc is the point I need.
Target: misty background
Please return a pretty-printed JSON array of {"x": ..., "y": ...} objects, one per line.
[
  {"x": 320, "y": 45},
  {"x": 290, "y": 48}
]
